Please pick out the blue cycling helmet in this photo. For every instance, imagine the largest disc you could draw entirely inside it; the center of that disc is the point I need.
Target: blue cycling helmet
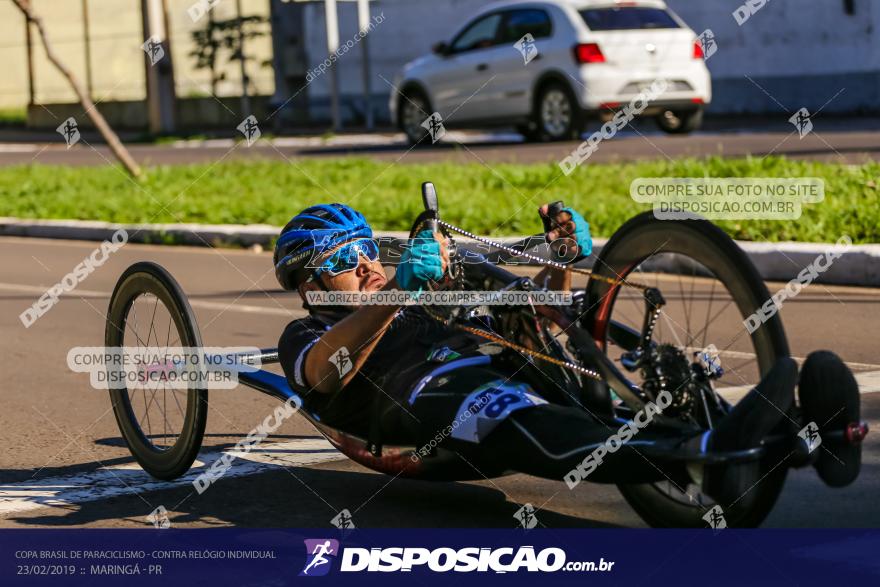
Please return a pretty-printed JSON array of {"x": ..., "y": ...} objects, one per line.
[{"x": 315, "y": 230}]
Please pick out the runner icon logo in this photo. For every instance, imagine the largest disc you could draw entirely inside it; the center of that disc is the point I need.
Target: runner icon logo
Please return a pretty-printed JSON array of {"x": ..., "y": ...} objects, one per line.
[
  {"x": 319, "y": 554},
  {"x": 250, "y": 129},
  {"x": 708, "y": 43},
  {"x": 715, "y": 518},
  {"x": 159, "y": 518},
  {"x": 434, "y": 125},
  {"x": 811, "y": 437},
  {"x": 70, "y": 131},
  {"x": 526, "y": 47},
  {"x": 802, "y": 121},
  {"x": 154, "y": 50},
  {"x": 343, "y": 520},
  {"x": 342, "y": 360},
  {"x": 526, "y": 516}
]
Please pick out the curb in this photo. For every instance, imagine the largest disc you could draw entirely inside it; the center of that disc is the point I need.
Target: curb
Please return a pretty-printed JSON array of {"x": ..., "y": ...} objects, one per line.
[
  {"x": 856, "y": 265},
  {"x": 181, "y": 234}
]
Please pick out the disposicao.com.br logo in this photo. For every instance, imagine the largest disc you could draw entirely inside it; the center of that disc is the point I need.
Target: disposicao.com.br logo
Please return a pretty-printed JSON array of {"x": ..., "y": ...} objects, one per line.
[{"x": 441, "y": 560}]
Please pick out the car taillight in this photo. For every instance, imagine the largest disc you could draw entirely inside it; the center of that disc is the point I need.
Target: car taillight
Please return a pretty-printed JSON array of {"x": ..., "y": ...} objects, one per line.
[
  {"x": 698, "y": 50},
  {"x": 588, "y": 53}
]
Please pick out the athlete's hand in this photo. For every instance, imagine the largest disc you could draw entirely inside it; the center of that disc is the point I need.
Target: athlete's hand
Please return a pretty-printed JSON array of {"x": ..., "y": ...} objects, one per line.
[
  {"x": 425, "y": 259},
  {"x": 567, "y": 233}
]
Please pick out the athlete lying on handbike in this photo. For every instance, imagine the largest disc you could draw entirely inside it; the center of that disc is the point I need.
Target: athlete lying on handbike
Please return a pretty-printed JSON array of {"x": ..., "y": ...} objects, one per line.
[{"x": 401, "y": 374}]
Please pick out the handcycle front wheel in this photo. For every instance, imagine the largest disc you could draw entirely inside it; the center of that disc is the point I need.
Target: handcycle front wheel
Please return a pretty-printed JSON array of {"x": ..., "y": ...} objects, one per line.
[
  {"x": 163, "y": 428},
  {"x": 710, "y": 286}
]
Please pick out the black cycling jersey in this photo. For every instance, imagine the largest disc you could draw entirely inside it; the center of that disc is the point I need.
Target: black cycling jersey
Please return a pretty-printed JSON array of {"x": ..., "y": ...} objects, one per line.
[
  {"x": 412, "y": 346},
  {"x": 423, "y": 378}
]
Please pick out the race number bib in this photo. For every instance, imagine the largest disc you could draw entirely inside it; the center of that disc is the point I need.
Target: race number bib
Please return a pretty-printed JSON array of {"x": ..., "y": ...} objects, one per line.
[{"x": 489, "y": 405}]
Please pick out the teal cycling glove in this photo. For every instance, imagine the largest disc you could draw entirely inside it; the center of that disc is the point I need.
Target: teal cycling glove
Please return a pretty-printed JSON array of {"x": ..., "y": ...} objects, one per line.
[
  {"x": 581, "y": 236},
  {"x": 581, "y": 233},
  {"x": 420, "y": 262}
]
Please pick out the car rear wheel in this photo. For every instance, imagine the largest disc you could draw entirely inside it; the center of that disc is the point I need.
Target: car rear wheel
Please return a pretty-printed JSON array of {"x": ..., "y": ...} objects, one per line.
[
  {"x": 557, "y": 116},
  {"x": 677, "y": 122},
  {"x": 414, "y": 110}
]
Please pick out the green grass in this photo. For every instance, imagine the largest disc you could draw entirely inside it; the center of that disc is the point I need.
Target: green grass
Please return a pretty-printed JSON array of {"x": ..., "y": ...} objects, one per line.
[
  {"x": 500, "y": 201},
  {"x": 13, "y": 116}
]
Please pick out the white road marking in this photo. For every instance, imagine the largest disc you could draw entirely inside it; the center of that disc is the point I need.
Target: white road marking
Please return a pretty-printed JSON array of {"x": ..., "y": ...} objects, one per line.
[
  {"x": 90, "y": 293},
  {"x": 130, "y": 479},
  {"x": 869, "y": 382},
  {"x": 18, "y": 147},
  {"x": 741, "y": 355}
]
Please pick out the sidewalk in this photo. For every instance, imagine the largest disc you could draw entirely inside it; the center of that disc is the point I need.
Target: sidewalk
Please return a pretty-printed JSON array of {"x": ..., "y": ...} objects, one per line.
[{"x": 357, "y": 135}]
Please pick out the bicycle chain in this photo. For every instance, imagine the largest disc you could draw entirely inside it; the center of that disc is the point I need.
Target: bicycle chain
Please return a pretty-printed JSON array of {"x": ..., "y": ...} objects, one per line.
[
  {"x": 540, "y": 260},
  {"x": 525, "y": 350},
  {"x": 547, "y": 263}
]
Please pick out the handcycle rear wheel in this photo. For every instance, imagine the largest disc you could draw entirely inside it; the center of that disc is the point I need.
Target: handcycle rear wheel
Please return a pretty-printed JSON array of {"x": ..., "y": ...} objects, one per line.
[
  {"x": 711, "y": 258},
  {"x": 164, "y": 455}
]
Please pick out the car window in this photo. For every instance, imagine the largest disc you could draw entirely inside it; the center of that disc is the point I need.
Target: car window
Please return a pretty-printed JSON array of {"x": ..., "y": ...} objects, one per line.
[
  {"x": 482, "y": 33},
  {"x": 628, "y": 18},
  {"x": 528, "y": 21}
]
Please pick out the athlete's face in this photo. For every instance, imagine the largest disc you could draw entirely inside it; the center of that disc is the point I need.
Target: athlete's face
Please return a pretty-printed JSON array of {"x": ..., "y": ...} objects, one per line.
[{"x": 367, "y": 276}]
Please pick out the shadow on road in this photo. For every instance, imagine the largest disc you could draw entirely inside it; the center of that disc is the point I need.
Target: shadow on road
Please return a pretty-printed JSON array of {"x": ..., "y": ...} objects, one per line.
[{"x": 308, "y": 497}]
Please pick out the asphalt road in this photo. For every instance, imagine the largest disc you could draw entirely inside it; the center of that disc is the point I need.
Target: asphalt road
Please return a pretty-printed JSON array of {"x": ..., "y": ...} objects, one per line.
[
  {"x": 63, "y": 464},
  {"x": 848, "y": 142}
]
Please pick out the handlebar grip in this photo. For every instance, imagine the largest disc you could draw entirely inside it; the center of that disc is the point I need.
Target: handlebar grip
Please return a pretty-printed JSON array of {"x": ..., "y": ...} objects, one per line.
[
  {"x": 555, "y": 208},
  {"x": 429, "y": 198},
  {"x": 550, "y": 219}
]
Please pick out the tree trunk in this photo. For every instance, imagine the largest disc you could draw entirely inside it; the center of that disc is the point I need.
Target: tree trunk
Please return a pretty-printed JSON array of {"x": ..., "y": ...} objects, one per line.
[{"x": 113, "y": 141}]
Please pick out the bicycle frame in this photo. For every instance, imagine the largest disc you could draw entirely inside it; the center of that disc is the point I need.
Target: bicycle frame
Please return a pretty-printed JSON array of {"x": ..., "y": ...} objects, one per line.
[{"x": 443, "y": 464}]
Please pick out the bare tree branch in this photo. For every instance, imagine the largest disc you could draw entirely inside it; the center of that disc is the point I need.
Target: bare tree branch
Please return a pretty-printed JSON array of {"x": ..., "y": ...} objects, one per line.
[{"x": 113, "y": 141}]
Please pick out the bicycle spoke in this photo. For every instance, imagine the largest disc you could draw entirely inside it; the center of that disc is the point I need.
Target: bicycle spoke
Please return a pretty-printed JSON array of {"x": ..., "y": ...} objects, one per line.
[
  {"x": 152, "y": 323},
  {"x": 134, "y": 330},
  {"x": 167, "y": 437},
  {"x": 687, "y": 316},
  {"x": 708, "y": 312},
  {"x": 147, "y": 414},
  {"x": 690, "y": 309},
  {"x": 179, "y": 409},
  {"x": 671, "y": 322},
  {"x": 168, "y": 335},
  {"x": 164, "y": 410},
  {"x": 715, "y": 317}
]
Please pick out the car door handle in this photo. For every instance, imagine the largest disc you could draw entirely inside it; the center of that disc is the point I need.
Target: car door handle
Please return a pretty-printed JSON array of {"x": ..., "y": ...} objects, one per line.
[{"x": 483, "y": 67}]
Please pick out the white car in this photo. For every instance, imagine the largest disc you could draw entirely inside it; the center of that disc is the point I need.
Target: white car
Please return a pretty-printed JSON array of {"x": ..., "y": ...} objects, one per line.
[{"x": 548, "y": 66}]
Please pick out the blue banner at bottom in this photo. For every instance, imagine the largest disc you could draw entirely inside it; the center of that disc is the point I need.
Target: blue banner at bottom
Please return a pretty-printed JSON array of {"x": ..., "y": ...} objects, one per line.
[{"x": 242, "y": 557}]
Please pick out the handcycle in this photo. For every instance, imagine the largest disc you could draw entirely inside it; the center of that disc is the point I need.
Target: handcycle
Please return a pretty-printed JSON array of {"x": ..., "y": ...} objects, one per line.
[{"x": 619, "y": 345}]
